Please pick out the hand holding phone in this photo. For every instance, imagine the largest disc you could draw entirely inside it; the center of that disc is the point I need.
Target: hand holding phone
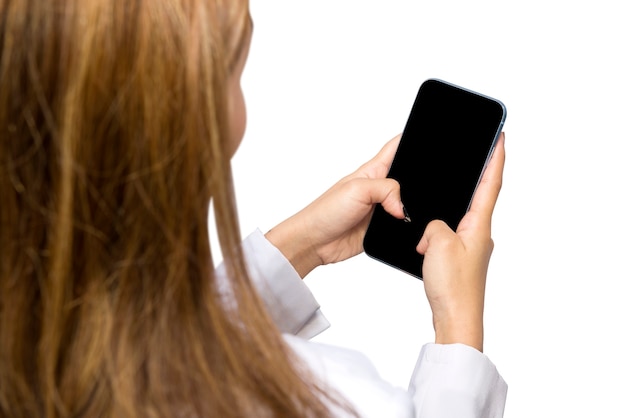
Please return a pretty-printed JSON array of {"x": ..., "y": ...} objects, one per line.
[
  {"x": 456, "y": 263},
  {"x": 445, "y": 146}
]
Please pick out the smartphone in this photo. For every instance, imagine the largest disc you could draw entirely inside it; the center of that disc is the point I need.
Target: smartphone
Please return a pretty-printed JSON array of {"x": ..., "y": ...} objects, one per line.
[{"x": 445, "y": 146}]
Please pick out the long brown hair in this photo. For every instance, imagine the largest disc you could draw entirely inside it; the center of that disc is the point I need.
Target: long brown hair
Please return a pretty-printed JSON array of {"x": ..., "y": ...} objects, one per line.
[{"x": 113, "y": 126}]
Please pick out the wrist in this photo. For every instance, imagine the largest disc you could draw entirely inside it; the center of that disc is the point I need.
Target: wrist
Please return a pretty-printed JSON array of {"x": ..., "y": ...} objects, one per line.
[
  {"x": 294, "y": 246},
  {"x": 468, "y": 331}
]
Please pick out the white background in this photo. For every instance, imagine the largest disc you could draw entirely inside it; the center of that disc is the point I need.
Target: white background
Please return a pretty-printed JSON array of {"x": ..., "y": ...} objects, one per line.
[{"x": 328, "y": 82}]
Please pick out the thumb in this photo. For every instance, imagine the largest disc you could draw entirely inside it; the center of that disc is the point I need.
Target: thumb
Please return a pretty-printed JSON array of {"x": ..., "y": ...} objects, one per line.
[{"x": 436, "y": 230}]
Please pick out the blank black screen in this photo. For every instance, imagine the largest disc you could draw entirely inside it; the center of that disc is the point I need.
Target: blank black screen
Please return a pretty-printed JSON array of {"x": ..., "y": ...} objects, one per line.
[{"x": 447, "y": 140}]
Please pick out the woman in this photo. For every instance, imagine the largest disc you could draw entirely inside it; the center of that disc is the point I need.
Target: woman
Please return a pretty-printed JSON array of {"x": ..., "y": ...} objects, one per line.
[{"x": 119, "y": 119}]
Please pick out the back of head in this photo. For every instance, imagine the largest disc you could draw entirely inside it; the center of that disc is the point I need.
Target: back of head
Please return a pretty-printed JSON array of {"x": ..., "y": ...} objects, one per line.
[{"x": 113, "y": 120}]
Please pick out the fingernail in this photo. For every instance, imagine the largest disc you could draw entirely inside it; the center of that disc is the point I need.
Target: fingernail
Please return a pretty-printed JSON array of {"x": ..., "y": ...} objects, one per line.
[{"x": 407, "y": 218}]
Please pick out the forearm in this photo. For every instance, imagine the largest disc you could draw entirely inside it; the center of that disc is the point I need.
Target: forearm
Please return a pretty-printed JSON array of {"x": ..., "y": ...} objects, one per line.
[{"x": 289, "y": 301}]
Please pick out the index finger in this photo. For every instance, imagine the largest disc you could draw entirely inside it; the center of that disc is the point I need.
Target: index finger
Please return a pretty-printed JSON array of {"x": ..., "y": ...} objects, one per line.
[{"x": 378, "y": 167}]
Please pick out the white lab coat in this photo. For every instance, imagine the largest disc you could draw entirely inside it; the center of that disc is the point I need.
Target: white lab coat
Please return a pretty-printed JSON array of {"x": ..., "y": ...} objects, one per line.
[{"x": 455, "y": 380}]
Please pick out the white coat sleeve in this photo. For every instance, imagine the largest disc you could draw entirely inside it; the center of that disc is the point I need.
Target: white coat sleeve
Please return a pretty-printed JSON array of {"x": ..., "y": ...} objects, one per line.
[
  {"x": 455, "y": 380},
  {"x": 449, "y": 381},
  {"x": 288, "y": 300}
]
